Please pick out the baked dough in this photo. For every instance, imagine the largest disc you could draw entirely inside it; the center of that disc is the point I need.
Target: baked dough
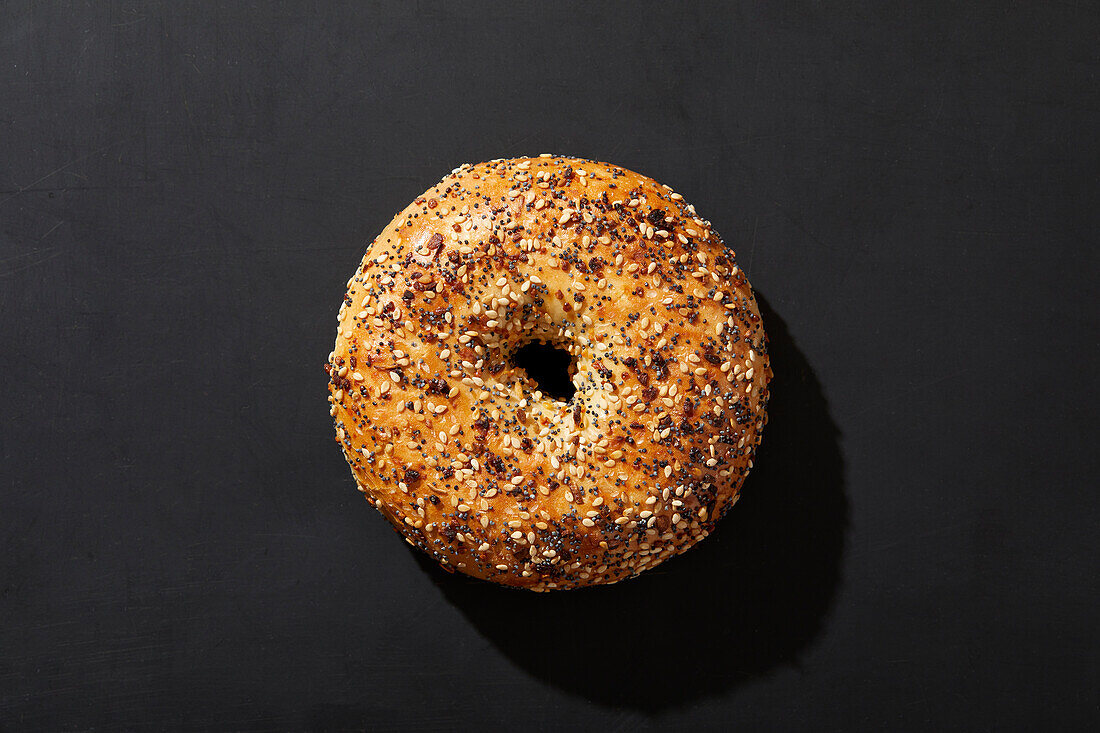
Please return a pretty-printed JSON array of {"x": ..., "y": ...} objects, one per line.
[{"x": 460, "y": 450}]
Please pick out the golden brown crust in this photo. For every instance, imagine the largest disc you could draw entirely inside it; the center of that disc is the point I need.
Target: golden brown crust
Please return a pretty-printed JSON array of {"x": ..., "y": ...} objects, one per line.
[{"x": 458, "y": 449}]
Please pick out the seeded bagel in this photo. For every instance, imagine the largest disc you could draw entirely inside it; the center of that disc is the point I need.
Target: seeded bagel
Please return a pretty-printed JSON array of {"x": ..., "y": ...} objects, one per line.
[{"x": 460, "y": 449}]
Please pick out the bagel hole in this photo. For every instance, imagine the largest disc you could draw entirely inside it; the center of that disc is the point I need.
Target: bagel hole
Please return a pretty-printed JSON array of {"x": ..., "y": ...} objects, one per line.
[{"x": 550, "y": 367}]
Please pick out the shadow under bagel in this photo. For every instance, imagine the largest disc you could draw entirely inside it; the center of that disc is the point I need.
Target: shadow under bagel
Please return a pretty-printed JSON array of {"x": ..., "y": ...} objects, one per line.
[{"x": 748, "y": 599}]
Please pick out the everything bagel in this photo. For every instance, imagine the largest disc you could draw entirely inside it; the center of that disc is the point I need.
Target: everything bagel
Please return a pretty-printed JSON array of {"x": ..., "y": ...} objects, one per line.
[{"x": 460, "y": 449}]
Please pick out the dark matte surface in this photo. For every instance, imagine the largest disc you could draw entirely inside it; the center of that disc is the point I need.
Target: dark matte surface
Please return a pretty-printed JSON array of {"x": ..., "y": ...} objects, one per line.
[{"x": 184, "y": 191}]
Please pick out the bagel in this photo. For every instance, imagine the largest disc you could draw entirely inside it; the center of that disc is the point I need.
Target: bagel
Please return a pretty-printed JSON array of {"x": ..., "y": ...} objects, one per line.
[{"x": 460, "y": 449}]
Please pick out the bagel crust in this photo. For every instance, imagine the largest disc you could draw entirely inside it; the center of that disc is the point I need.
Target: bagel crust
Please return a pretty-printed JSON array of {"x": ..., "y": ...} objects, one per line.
[{"x": 460, "y": 450}]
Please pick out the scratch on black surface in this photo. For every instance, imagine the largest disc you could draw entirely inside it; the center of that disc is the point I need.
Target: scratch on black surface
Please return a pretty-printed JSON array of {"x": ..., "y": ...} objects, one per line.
[{"x": 55, "y": 171}]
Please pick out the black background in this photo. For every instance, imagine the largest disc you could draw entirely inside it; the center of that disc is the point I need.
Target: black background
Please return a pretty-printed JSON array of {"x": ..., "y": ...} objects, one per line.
[{"x": 185, "y": 189}]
